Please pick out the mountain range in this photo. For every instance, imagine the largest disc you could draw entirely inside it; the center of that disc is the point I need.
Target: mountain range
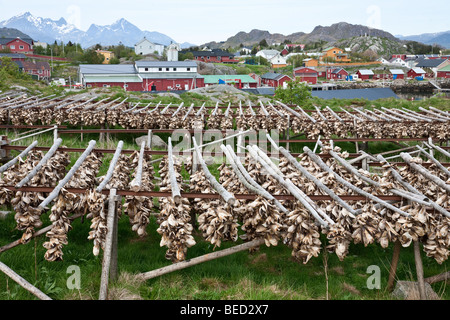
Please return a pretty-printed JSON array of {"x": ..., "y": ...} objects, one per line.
[
  {"x": 48, "y": 30},
  {"x": 335, "y": 32},
  {"x": 440, "y": 38}
]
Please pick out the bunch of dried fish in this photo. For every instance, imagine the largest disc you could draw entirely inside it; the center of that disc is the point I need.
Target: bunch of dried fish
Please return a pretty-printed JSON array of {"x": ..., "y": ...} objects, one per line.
[
  {"x": 174, "y": 219},
  {"x": 139, "y": 208},
  {"x": 27, "y": 217},
  {"x": 302, "y": 234},
  {"x": 96, "y": 202},
  {"x": 215, "y": 217},
  {"x": 68, "y": 203}
]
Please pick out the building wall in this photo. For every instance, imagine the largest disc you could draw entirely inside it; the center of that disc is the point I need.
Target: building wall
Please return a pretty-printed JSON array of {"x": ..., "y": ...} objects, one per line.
[
  {"x": 306, "y": 78},
  {"x": 443, "y": 74},
  {"x": 132, "y": 86},
  {"x": 172, "y": 84}
]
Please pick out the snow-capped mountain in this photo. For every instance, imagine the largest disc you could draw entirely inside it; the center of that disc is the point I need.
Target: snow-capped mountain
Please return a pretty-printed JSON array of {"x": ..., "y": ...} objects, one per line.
[{"x": 48, "y": 30}]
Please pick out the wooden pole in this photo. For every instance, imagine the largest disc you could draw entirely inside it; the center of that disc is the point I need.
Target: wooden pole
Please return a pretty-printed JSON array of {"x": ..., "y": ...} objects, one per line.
[
  {"x": 112, "y": 166},
  {"x": 227, "y": 196},
  {"x": 393, "y": 267},
  {"x": 176, "y": 195},
  {"x": 437, "y": 278},
  {"x": 114, "y": 268},
  {"x": 23, "y": 283},
  {"x": 9, "y": 164},
  {"x": 36, "y": 234},
  {"x": 419, "y": 271},
  {"x": 106, "y": 264},
  {"x": 207, "y": 257},
  {"x": 137, "y": 181}
]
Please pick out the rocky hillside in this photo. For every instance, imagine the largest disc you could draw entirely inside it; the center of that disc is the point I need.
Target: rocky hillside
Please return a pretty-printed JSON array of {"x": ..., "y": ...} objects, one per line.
[
  {"x": 331, "y": 34},
  {"x": 12, "y": 33},
  {"x": 381, "y": 47}
]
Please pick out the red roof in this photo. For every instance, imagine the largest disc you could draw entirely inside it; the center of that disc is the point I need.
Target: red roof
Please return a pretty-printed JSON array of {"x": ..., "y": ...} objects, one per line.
[{"x": 304, "y": 70}]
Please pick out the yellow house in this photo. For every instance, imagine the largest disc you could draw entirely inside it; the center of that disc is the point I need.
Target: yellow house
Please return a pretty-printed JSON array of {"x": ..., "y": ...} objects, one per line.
[
  {"x": 311, "y": 62},
  {"x": 336, "y": 54},
  {"x": 107, "y": 54}
]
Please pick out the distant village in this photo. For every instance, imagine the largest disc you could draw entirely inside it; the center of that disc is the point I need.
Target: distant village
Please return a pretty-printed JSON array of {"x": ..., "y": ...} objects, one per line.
[{"x": 331, "y": 65}]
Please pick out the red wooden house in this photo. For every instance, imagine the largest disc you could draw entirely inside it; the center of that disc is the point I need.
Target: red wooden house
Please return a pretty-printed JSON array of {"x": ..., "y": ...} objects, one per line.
[
  {"x": 305, "y": 74},
  {"x": 218, "y": 56},
  {"x": 16, "y": 45},
  {"x": 416, "y": 72},
  {"x": 274, "y": 79},
  {"x": 365, "y": 74},
  {"x": 41, "y": 69},
  {"x": 336, "y": 74}
]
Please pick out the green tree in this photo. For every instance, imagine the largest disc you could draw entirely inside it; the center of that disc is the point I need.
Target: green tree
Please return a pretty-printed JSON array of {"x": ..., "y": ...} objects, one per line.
[
  {"x": 185, "y": 56},
  {"x": 263, "y": 43},
  {"x": 296, "y": 60},
  {"x": 92, "y": 57},
  {"x": 296, "y": 92}
]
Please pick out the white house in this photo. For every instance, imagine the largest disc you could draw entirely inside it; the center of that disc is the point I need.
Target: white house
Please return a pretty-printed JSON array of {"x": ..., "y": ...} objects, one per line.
[
  {"x": 278, "y": 61},
  {"x": 267, "y": 54},
  {"x": 172, "y": 52},
  {"x": 145, "y": 46}
]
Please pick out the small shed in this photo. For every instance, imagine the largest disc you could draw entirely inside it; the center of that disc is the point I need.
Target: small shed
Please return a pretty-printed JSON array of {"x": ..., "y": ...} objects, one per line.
[
  {"x": 397, "y": 74},
  {"x": 275, "y": 80},
  {"x": 416, "y": 72},
  {"x": 365, "y": 74}
]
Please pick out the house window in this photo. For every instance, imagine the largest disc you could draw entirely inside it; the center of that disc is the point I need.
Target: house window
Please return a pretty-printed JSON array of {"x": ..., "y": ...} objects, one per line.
[
  {"x": 167, "y": 69},
  {"x": 174, "y": 69},
  {"x": 89, "y": 86},
  {"x": 13, "y": 46},
  {"x": 208, "y": 57},
  {"x": 160, "y": 69},
  {"x": 188, "y": 69},
  {"x": 21, "y": 47},
  {"x": 146, "y": 69}
]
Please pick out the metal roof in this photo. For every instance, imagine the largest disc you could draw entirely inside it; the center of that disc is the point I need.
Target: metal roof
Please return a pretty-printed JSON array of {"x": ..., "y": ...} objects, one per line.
[
  {"x": 112, "y": 78},
  {"x": 418, "y": 70},
  {"x": 210, "y": 53},
  {"x": 13, "y": 55},
  {"x": 166, "y": 64},
  {"x": 215, "y": 78},
  {"x": 107, "y": 69},
  {"x": 369, "y": 94},
  {"x": 6, "y": 40},
  {"x": 396, "y": 71},
  {"x": 445, "y": 69},
  {"x": 429, "y": 63},
  {"x": 366, "y": 72},
  {"x": 273, "y": 75}
]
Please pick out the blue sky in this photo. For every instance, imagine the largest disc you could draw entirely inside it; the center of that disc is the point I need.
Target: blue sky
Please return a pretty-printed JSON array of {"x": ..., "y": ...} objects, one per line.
[{"x": 200, "y": 21}]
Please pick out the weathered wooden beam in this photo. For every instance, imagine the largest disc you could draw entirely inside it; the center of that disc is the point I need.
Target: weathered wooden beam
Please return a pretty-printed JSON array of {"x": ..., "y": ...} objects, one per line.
[
  {"x": 106, "y": 264},
  {"x": 23, "y": 283},
  {"x": 194, "y": 261}
]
